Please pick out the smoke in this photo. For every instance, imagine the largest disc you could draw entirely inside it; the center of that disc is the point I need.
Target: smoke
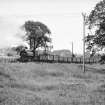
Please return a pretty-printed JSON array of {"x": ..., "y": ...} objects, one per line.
[{"x": 10, "y": 32}]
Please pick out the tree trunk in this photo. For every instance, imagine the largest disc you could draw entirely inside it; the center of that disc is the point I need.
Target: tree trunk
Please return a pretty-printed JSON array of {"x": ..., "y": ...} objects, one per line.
[
  {"x": 45, "y": 48},
  {"x": 30, "y": 43},
  {"x": 34, "y": 46}
]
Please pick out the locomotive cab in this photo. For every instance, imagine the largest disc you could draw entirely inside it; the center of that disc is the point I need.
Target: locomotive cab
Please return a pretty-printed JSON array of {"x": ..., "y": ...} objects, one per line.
[{"x": 28, "y": 55}]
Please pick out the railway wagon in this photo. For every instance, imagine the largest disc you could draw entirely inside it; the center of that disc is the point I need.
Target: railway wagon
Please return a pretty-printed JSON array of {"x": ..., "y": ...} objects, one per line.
[
  {"x": 65, "y": 59},
  {"x": 61, "y": 59},
  {"x": 28, "y": 55},
  {"x": 46, "y": 58},
  {"x": 55, "y": 58}
]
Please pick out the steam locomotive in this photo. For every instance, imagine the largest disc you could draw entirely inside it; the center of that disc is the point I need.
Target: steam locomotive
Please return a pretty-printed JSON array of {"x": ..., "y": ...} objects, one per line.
[{"x": 26, "y": 55}]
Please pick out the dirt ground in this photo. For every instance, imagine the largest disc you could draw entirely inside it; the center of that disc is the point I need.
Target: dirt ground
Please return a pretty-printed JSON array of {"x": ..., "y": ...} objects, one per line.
[{"x": 51, "y": 84}]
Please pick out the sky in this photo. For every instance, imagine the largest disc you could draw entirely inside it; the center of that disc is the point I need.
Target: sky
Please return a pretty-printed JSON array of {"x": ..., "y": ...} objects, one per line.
[{"x": 63, "y": 17}]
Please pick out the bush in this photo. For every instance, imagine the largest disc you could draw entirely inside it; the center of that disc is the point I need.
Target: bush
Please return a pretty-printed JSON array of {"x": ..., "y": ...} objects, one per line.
[
  {"x": 102, "y": 60},
  {"x": 9, "y": 54}
]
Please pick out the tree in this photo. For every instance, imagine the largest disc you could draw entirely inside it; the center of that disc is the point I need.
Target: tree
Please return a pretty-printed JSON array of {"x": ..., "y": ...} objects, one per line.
[
  {"x": 19, "y": 48},
  {"x": 96, "y": 21},
  {"x": 36, "y": 34}
]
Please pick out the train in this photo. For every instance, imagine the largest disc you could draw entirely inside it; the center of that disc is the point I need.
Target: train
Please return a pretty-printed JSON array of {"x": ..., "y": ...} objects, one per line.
[{"x": 28, "y": 56}]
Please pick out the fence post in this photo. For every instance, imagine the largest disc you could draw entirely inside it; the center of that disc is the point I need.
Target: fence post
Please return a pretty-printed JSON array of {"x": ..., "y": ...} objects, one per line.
[
  {"x": 67, "y": 60},
  {"x": 80, "y": 60},
  {"x": 76, "y": 60},
  {"x": 53, "y": 58}
]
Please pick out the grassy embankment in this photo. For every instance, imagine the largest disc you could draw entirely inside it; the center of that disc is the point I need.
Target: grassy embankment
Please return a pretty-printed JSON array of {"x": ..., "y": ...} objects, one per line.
[{"x": 51, "y": 84}]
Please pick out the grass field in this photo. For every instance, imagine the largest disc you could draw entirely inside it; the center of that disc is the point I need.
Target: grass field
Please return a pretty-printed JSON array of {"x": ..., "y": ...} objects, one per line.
[{"x": 51, "y": 84}]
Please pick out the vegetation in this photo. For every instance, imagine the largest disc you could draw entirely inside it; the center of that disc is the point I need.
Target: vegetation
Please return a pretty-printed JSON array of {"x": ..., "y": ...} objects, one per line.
[
  {"x": 36, "y": 34},
  {"x": 96, "y": 21},
  {"x": 51, "y": 84},
  {"x": 19, "y": 48}
]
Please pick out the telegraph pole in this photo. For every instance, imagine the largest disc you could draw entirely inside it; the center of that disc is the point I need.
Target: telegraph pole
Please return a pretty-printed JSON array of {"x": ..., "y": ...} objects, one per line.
[
  {"x": 84, "y": 18},
  {"x": 72, "y": 52},
  {"x": 72, "y": 49}
]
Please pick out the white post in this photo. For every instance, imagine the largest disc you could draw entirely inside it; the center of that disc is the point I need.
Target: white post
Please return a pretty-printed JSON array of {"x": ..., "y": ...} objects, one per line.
[{"x": 84, "y": 16}]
